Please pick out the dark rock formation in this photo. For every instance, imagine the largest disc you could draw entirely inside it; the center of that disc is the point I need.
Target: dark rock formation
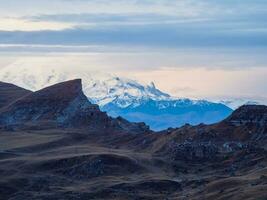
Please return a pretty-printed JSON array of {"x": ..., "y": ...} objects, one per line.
[
  {"x": 64, "y": 105},
  {"x": 244, "y": 131},
  {"x": 10, "y": 92},
  {"x": 193, "y": 151},
  {"x": 249, "y": 114},
  {"x": 60, "y": 103}
]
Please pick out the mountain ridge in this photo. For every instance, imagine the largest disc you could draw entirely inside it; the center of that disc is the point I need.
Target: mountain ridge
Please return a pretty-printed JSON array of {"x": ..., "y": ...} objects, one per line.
[
  {"x": 10, "y": 92},
  {"x": 63, "y": 104},
  {"x": 122, "y": 97}
]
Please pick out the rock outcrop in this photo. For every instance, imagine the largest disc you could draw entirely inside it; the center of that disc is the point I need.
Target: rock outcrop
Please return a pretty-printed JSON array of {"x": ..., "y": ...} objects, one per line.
[
  {"x": 64, "y": 105},
  {"x": 59, "y": 103},
  {"x": 10, "y": 93},
  {"x": 249, "y": 114},
  {"x": 244, "y": 131}
]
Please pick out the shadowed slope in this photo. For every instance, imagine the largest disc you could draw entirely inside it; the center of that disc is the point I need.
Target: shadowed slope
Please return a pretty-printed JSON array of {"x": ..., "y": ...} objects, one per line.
[
  {"x": 10, "y": 93},
  {"x": 59, "y": 102},
  {"x": 63, "y": 104}
]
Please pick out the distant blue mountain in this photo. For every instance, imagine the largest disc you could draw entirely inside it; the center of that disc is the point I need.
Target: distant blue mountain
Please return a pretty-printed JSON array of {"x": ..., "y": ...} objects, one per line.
[{"x": 162, "y": 114}]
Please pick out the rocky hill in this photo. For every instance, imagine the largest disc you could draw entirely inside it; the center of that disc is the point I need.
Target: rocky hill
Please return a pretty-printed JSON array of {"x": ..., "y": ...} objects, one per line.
[
  {"x": 243, "y": 131},
  {"x": 62, "y": 104}
]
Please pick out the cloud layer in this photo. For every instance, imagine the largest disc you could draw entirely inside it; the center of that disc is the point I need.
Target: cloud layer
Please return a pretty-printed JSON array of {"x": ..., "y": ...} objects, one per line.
[{"x": 174, "y": 24}]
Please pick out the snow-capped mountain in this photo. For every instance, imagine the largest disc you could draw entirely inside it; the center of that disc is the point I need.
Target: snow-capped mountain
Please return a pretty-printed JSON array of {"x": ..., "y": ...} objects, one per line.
[
  {"x": 121, "y": 96},
  {"x": 101, "y": 88},
  {"x": 162, "y": 114}
]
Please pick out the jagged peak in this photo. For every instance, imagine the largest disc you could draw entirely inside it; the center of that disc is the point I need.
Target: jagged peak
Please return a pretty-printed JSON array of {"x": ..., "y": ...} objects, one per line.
[
  {"x": 59, "y": 102},
  {"x": 152, "y": 85},
  {"x": 75, "y": 84},
  {"x": 65, "y": 90}
]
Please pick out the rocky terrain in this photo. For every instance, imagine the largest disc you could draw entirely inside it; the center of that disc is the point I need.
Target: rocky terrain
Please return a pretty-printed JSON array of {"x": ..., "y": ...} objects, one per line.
[
  {"x": 55, "y": 144},
  {"x": 61, "y": 105}
]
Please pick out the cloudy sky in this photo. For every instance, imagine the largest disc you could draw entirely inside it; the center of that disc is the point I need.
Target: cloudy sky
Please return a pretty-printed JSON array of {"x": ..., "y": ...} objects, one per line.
[{"x": 195, "y": 48}]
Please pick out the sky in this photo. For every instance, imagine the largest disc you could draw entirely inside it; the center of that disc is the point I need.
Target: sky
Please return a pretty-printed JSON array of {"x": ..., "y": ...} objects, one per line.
[{"x": 191, "y": 48}]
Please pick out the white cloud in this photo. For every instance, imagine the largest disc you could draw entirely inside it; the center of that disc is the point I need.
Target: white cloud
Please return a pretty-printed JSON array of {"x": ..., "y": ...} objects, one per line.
[
  {"x": 182, "y": 8},
  {"x": 12, "y": 24}
]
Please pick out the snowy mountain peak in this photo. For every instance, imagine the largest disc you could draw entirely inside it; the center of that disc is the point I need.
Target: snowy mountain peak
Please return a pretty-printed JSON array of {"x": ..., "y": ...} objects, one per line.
[
  {"x": 100, "y": 88},
  {"x": 152, "y": 85},
  {"x": 122, "y": 91}
]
